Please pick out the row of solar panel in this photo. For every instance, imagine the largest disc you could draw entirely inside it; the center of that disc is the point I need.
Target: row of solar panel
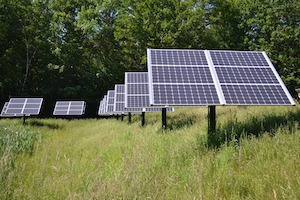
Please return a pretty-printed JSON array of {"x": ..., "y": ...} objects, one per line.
[
  {"x": 133, "y": 96},
  {"x": 179, "y": 77}
]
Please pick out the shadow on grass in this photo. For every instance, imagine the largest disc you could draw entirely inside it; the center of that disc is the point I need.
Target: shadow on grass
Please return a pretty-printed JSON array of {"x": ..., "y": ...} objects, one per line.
[
  {"x": 255, "y": 126},
  {"x": 181, "y": 121},
  {"x": 38, "y": 123}
]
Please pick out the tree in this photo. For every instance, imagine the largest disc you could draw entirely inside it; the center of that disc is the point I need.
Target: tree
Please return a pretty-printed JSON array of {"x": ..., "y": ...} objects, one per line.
[{"x": 159, "y": 24}]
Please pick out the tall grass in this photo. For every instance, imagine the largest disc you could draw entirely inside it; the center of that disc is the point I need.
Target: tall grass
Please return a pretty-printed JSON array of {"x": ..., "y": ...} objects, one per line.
[
  {"x": 14, "y": 140},
  {"x": 110, "y": 159}
]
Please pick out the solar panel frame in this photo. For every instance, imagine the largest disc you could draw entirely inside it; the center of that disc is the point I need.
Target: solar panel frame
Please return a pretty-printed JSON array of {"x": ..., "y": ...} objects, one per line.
[
  {"x": 69, "y": 108},
  {"x": 234, "y": 60},
  {"x": 23, "y": 106}
]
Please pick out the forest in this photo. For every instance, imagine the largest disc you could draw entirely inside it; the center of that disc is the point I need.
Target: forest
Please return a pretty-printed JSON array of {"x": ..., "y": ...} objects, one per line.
[{"x": 78, "y": 49}]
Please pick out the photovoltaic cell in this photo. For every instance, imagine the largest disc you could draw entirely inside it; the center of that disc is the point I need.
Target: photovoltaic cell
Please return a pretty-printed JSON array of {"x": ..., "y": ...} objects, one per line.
[
  {"x": 69, "y": 108},
  {"x": 178, "y": 57},
  {"x": 186, "y": 94},
  {"x": 238, "y": 58},
  {"x": 246, "y": 75},
  {"x": 196, "y": 77},
  {"x": 23, "y": 106},
  {"x": 136, "y": 77},
  {"x": 135, "y": 101},
  {"x": 139, "y": 89},
  {"x": 255, "y": 94},
  {"x": 181, "y": 74}
]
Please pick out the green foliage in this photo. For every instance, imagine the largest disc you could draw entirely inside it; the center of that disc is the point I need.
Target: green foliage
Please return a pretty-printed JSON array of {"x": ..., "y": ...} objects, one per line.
[
  {"x": 70, "y": 49},
  {"x": 14, "y": 140}
]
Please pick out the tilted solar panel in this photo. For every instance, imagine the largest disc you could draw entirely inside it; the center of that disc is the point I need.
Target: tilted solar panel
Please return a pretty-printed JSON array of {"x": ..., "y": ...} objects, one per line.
[
  {"x": 102, "y": 106},
  {"x": 181, "y": 77},
  {"x": 110, "y": 102},
  {"x": 23, "y": 106},
  {"x": 249, "y": 78},
  {"x": 3, "y": 112},
  {"x": 119, "y": 106},
  {"x": 69, "y": 108}
]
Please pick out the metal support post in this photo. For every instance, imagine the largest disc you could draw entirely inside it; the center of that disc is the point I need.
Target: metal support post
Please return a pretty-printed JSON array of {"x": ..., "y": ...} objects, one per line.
[
  {"x": 164, "y": 118},
  {"x": 143, "y": 118},
  {"x": 129, "y": 117},
  {"x": 211, "y": 119}
]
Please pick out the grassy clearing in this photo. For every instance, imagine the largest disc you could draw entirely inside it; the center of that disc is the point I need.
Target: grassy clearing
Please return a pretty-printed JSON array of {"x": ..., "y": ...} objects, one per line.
[{"x": 254, "y": 155}]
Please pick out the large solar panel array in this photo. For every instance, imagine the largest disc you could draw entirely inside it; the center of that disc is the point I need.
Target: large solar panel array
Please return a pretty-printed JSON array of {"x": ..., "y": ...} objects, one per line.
[
  {"x": 22, "y": 106},
  {"x": 110, "y": 102},
  {"x": 69, "y": 108},
  {"x": 137, "y": 97},
  {"x": 119, "y": 104},
  {"x": 196, "y": 77}
]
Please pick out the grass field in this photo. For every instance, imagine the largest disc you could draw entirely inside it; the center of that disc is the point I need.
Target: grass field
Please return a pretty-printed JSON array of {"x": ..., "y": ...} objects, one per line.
[{"x": 254, "y": 154}]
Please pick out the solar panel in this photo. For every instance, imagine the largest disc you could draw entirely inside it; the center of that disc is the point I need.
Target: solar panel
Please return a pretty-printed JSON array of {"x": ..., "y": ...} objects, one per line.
[
  {"x": 110, "y": 102},
  {"x": 69, "y": 108},
  {"x": 137, "y": 93},
  {"x": 100, "y": 111},
  {"x": 102, "y": 106},
  {"x": 180, "y": 77},
  {"x": 249, "y": 78},
  {"x": 119, "y": 106},
  {"x": 23, "y": 106},
  {"x": 3, "y": 112}
]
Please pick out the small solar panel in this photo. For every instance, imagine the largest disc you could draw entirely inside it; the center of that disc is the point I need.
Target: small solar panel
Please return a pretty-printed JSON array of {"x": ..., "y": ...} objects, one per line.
[
  {"x": 137, "y": 93},
  {"x": 3, "y": 112},
  {"x": 102, "y": 106},
  {"x": 67, "y": 108},
  {"x": 181, "y": 77},
  {"x": 23, "y": 106},
  {"x": 110, "y": 102},
  {"x": 119, "y": 106}
]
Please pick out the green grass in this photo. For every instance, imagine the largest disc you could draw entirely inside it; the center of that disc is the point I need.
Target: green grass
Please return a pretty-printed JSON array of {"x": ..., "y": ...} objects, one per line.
[{"x": 253, "y": 155}]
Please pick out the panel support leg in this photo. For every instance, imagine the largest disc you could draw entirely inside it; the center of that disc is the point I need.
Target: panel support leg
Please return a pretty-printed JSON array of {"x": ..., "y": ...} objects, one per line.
[
  {"x": 122, "y": 117},
  {"x": 143, "y": 118},
  {"x": 211, "y": 119},
  {"x": 24, "y": 119},
  {"x": 164, "y": 118},
  {"x": 129, "y": 118}
]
